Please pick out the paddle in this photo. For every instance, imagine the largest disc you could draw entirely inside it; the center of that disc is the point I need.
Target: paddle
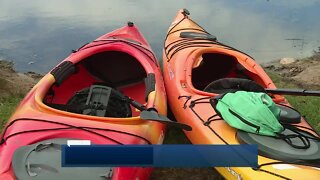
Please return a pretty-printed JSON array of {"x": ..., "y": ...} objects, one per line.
[
  {"x": 151, "y": 114},
  {"x": 294, "y": 92}
]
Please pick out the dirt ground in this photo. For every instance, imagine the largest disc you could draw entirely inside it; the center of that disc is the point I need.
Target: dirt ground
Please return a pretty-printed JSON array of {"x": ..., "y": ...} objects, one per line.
[
  {"x": 304, "y": 71},
  {"x": 14, "y": 83}
]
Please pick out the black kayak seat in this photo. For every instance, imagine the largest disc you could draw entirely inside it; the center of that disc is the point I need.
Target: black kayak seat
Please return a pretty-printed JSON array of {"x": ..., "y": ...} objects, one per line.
[
  {"x": 42, "y": 160},
  {"x": 279, "y": 149},
  {"x": 99, "y": 100},
  {"x": 225, "y": 85}
]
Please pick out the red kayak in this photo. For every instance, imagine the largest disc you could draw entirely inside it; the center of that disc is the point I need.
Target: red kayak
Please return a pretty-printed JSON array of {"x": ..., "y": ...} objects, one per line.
[{"x": 108, "y": 92}]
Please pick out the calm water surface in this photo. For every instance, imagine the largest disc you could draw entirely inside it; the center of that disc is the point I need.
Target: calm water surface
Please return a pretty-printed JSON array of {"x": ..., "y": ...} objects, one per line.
[{"x": 37, "y": 34}]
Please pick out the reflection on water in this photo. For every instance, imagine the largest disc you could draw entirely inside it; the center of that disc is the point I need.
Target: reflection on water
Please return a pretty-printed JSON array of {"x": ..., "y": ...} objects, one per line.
[{"x": 38, "y": 34}]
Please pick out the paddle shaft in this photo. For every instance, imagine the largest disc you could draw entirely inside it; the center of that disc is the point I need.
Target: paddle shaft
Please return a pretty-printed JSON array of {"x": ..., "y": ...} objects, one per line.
[{"x": 294, "y": 92}]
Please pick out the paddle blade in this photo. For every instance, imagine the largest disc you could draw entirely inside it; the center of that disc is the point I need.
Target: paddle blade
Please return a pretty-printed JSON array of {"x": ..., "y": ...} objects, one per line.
[{"x": 154, "y": 116}]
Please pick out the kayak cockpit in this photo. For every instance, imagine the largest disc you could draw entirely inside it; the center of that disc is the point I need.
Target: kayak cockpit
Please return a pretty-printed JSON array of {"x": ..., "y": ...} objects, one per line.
[
  {"x": 100, "y": 84},
  {"x": 115, "y": 68},
  {"x": 215, "y": 66},
  {"x": 222, "y": 73}
]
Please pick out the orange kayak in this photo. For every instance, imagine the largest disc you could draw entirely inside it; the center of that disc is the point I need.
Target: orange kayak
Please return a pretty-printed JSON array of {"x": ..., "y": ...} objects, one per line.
[
  {"x": 98, "y": 93},
  {"x": 196, "y": 68}
]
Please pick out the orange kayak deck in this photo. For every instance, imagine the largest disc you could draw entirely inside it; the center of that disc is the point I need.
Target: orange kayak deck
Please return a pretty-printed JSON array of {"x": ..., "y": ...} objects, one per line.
[{"x": 192, "y": 59}]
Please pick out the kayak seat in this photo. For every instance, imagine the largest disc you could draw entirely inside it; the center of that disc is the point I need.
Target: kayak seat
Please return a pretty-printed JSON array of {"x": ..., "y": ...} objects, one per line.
[
  {"x": 279, "y": 149},
  {"x": 225, "y": 85},
  {"x": 99, "y": 100}
]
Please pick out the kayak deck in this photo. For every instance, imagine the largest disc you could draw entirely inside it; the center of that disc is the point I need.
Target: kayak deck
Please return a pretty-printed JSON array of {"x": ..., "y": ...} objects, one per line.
[{"x": 193, "y": 60}]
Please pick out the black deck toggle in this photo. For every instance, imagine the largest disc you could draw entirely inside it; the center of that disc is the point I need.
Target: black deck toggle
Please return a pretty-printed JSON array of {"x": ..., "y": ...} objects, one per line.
[
  {"x": 130, "y": 24},
  {"x": 185, "y": 12}
]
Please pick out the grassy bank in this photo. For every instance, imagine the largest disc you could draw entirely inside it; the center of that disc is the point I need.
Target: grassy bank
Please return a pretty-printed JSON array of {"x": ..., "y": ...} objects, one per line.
[
  {"x": 308, "y": 106},
  {"x": 7, "y": 106},
  {"x": 8, "y": 101}
]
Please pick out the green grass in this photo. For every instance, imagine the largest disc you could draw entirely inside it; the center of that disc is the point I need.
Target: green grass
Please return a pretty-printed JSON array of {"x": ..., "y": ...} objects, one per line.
[
  {"x": 308, "y": 106},
  {"x": 7, "y": 107}
]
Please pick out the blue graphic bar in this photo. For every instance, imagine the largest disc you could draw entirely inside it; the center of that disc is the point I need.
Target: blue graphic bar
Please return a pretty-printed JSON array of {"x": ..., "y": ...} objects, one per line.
[{"x": 160, "y": 156}]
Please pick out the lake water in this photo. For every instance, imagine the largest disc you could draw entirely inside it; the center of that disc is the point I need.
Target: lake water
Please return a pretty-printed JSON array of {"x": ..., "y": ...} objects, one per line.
[{"x": 38, "y": 34}]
